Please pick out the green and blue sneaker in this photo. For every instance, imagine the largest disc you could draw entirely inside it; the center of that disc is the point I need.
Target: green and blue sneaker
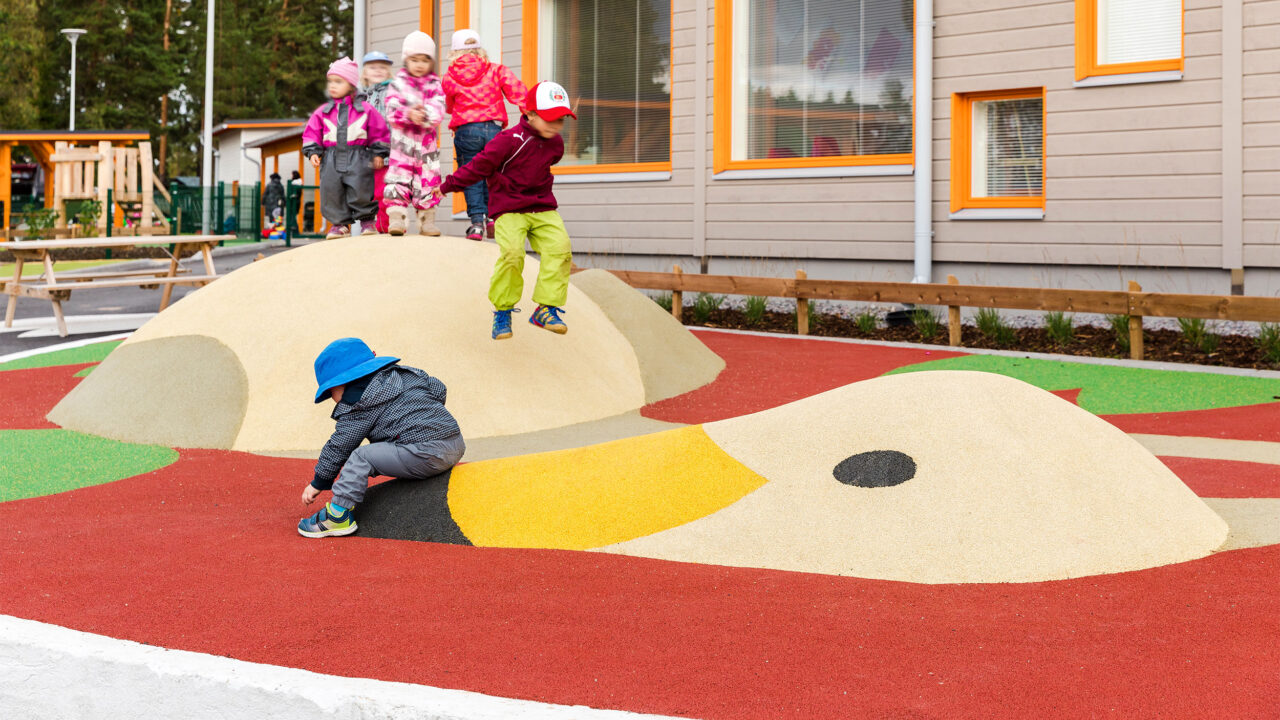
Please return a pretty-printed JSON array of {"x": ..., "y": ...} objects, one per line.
[
  {"x": 547, "y": 317},
  {"x": 330, "y": 520},
  {"x": 502, "y": 323}
]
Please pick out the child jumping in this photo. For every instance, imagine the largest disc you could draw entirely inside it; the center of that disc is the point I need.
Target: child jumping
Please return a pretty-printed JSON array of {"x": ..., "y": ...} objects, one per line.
[
  {"x": 517, "y": 166},
  {"x": 347, "y": 139},
  {"x": 415, "y": 107},
  {"x": 398, "y": 408},
  {"x": 375, "y": 74},
  {"x": 473, "y": 92}
]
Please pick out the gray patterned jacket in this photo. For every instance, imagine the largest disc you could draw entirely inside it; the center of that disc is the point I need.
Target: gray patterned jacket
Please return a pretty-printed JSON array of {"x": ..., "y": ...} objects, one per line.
[{"x": 402, "y": 404}]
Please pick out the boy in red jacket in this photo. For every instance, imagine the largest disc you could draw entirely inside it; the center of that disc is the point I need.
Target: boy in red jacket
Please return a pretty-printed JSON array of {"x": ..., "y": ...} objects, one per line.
[{"x": 517, "y": 166}]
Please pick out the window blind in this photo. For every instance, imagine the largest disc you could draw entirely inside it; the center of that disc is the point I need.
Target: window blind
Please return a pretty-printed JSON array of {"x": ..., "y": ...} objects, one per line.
[
  {"x": 817, "y": 78},
  {"x": 1008, "y": 148},
  {"x": 614, "y": 59},
  {"x": 1139, "y": 30}
]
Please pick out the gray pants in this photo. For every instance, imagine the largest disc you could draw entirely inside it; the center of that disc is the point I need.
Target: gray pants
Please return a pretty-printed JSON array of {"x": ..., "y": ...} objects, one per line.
[
  {"x": 417, "y": 461},
  {"x": 346, "y": 186}
]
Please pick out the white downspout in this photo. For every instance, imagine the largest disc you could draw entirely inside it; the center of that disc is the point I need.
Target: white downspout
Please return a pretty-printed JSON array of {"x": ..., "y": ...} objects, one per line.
[
  {"x": 923, "y": 142},
  {"x": 358, "y": 32}
]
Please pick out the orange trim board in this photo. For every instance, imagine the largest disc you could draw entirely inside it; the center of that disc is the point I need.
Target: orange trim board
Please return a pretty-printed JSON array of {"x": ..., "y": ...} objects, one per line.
[
  {"x": 1087, "y": 47},
  {"x": 962, "y": 151},
  {"x": 722, "y": 123}
]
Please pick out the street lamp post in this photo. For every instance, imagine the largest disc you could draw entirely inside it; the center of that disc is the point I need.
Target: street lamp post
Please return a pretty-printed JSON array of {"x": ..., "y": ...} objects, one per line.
[
  {"x": 73, "y": 34},
  {"x": 206, "y": 174}
]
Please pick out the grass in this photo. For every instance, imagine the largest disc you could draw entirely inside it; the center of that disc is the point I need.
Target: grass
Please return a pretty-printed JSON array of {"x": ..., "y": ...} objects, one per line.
[
  {"x": 1060, "y": 328},
  {"x": 867, "y": 321},
  {"x": 703, "y": 304},
  {"x": 926, "y": 323},
  {"x": 1119, "y": 325},
  {"x": 664, "y": 301},
  {"x": 754, "y": 311},
  {"x": 1268, "y": 341},
  {"x": 994, "y": 328},
  {"x": 1199, "y": 334},
  {"x": 32, "y": 269}
]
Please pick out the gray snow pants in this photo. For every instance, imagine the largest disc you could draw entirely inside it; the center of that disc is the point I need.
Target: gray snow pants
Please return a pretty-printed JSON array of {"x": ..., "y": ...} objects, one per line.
[
  {"x": 346, "y": 185},
  {"x": 417, "y": 462}
]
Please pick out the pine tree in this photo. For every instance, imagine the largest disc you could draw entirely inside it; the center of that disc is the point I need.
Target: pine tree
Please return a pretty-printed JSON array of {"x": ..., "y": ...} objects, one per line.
[{"x": 20, "y": 44}]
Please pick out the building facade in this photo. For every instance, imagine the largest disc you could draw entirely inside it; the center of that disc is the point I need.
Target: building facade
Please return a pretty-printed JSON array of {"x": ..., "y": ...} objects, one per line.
[{"x": 1071, "y": 143}]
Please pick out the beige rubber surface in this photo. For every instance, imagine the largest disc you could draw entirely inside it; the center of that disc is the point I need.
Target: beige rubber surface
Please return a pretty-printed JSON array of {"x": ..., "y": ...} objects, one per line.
[
  {"x": 423, "y": 300},
  {"x": 1012, "y": 484}
]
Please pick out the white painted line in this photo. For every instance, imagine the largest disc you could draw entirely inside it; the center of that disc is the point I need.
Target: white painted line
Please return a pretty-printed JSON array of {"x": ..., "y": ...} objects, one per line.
[
  {"x": 1083, "y": 359},
  {"x": 52, "y": 672},
  {"x": 82, "y": 324},
  {"x": 32, "y": 323},
  {"x": 61, "y": 346}
]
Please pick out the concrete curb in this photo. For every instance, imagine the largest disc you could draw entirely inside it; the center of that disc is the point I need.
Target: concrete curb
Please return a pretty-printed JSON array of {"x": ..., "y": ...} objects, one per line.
[
  {"x": 57, "y": 673},
  {"x": 1115, "y": 362},
  {"x": 219, "y": 252}
]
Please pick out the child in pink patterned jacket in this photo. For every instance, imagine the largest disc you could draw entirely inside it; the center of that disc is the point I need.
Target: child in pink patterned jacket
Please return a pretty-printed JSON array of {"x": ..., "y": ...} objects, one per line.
[
  {"x": 474, "y": 89},
  {"x": 415, "y": 107},
  {"x": 347, "y": 139}
]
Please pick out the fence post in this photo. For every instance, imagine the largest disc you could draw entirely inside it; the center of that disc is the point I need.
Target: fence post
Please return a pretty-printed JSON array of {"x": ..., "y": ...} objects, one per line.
[
  {"x": 677, "y": 298},
  {"x": 802, "y": 307},
  {"x": 953, "y": 317},
  {"x": 1135, "y": 324}
]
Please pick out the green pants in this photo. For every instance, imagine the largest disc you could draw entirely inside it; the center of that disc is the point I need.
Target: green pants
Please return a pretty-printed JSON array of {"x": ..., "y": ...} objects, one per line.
[{"x": 550, "y": 240}]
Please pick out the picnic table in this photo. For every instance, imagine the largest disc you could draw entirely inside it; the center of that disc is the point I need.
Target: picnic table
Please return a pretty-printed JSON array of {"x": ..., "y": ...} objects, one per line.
[{"x": 56, "y": 287}]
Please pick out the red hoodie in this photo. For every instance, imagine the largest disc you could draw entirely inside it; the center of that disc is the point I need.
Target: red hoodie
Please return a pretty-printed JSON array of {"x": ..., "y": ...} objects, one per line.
[
  {"x": 473, "y": 90},
  {"x": 517, "y": 165}
]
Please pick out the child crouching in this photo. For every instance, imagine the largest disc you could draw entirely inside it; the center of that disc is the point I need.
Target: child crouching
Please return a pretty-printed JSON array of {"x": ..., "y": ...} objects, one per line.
[
  {"x": 347, "y": 139},
  {"x": 399, "y": 409}
]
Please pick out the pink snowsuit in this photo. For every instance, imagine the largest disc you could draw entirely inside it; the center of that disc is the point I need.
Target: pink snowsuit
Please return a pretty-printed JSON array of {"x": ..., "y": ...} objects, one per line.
[{"x": 415, "y": 149}]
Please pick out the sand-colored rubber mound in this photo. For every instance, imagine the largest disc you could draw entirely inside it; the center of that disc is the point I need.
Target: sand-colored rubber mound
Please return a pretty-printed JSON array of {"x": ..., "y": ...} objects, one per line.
[
  {"x": 255, "y": 333},
  {"x": 942, "y": 477}
]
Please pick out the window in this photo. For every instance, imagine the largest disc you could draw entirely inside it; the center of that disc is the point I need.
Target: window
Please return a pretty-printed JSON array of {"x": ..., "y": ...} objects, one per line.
[
  {"x": 997, "y": 150},
  {"x": 483, "y": 16},
  {"x": 813, "y": 83},
  {"x": 1117, "y": 37},
  {"x": 614, "y": 59}
]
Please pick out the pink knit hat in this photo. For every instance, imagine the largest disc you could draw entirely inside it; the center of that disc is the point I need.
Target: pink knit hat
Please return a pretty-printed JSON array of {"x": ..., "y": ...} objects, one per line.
[{"x": 347, "y": 69}]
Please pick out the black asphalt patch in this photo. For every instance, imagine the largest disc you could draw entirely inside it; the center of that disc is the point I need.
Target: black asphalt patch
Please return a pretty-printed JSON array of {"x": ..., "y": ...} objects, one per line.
[
  {"x": 410, "y": 510},
  {"x": 874, "y": 469}
]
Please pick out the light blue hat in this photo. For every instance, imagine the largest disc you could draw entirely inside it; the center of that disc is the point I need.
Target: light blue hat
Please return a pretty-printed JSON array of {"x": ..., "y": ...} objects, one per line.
[{"x": 375, "y": 56}]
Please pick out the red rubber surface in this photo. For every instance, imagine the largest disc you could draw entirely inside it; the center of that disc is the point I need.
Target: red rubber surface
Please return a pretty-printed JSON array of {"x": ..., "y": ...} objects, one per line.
[
  {"x": 202, "y": 556},
  {"x": 29, "y": 395},
  {"x": 1226, "y": 478},
  {"x": 1247, "y": 422}
]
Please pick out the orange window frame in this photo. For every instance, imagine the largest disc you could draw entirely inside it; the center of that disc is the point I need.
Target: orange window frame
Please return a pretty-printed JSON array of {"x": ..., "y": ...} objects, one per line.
[
  {"x": 1087, "y": 47},
  {"x": 962, "y": 151},
  {"x": 722, "y": 159},
  {"x": 529, "y": 73},
  {"x": 427, "y": 17}
]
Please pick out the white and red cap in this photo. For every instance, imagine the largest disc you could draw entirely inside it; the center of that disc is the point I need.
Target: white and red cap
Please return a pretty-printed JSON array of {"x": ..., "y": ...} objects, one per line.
[{"x": 550, "y": 101}]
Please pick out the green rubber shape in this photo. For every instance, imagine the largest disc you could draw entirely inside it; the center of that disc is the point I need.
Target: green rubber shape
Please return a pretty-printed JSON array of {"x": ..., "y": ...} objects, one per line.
[
  {"x": 70, "y": 356},
  {"x": 44, "y": 462},
  {"x": 1115, "y": 390}
]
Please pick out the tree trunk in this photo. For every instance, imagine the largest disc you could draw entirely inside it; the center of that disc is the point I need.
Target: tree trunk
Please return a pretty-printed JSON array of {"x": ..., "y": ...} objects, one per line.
[{"x": 164, "y": 102}]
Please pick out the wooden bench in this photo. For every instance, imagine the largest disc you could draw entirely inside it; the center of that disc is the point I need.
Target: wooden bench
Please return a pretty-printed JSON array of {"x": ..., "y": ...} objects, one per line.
[{"x": 57, "y": 288}]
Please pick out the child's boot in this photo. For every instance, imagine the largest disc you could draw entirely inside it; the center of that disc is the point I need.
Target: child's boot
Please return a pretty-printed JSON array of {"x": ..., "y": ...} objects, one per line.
[
  {"x": 397, "y": 220},
  {"x": 489, "y": 229},
  {"x": 502, "y": 323},
  {"x": 548, "y": 318},
  {"x": 332, "y": 520},
  {"x": 475, "y": 231},
  {"x": 337, "y": 231},
  {"x": 427, "y": 222},
  {"x": 368, "y": 227}
]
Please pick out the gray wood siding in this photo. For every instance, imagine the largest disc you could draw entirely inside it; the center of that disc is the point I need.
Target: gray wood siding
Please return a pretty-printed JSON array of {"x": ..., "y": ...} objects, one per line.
[
  {"x": 1262, "y": 133},
  {"x": 389, "y": 21}
]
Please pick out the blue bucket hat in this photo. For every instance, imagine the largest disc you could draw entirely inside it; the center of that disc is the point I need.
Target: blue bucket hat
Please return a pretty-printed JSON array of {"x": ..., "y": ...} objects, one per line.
[
  {"x": 345, "y": 360},
  {"x": 375, "y": 56}
]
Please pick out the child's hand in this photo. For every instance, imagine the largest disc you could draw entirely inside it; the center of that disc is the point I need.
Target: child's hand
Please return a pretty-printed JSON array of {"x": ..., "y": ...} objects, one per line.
[
  {"x": 418, "y": 116},
  {"x": 435, "y": 193},
  {"x": 315, "y": 160},
  {"x": 378, "y": 163},
  {"x": 309, "y": 495}
]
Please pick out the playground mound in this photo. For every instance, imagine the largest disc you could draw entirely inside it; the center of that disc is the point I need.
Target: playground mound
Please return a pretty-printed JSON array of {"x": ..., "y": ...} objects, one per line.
[
  {"x": 230, "y": 366},
  {"x": 930, "y": 477}
]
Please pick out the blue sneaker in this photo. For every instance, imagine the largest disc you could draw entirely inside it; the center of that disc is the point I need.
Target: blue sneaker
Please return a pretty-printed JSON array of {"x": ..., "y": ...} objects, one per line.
[
  {"x": 502, "y": 323},
  {"x": 548, "y": 318},
  {"x": 326, "y": 523}
]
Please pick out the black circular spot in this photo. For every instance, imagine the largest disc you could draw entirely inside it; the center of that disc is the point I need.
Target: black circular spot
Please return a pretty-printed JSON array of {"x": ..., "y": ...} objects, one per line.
[{"x": 878, "y": 468}]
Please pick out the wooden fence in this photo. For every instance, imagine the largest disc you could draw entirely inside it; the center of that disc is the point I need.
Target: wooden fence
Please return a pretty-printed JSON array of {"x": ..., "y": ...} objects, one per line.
[{"x": 1135, "y": 303}]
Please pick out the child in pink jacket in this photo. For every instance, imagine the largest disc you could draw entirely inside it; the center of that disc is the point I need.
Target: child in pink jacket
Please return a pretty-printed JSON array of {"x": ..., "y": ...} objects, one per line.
[
  {"x": 415, "y": 107},
  {"x": 347, "y": 139},
  {"x": 473, "y": 90}
]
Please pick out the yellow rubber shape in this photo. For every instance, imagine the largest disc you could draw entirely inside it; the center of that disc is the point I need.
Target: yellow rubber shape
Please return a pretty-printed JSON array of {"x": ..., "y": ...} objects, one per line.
[{"x": 597, "y": 495}]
